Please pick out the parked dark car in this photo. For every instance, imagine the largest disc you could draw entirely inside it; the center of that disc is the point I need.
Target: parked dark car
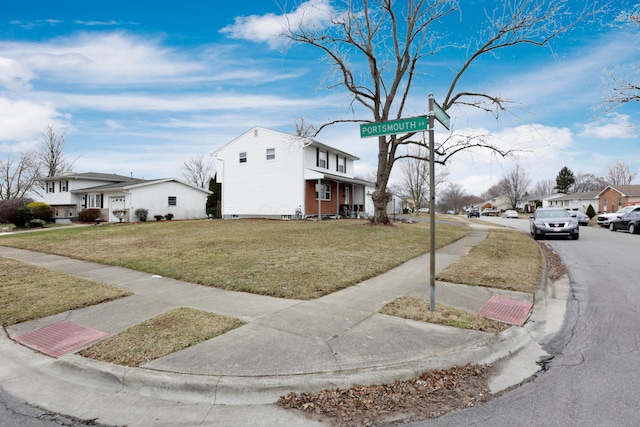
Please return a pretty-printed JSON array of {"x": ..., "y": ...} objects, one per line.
[
  {"x": 473, "y": 213},
  {"x": 553, "y": 221},
  {"x": 629, "y": 221}
]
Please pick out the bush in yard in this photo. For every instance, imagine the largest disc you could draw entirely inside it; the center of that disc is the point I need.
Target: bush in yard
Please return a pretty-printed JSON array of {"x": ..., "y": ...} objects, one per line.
[
  {"x": 141, "y": 214},
  {"x": 169, "y": 216},
  {"x": 591, "y": 212},
  {"x": 37, "y": 223},
  {"x": 9, "y": 211},
  {"x": 158, "y": 217},
  {"x": 88, "y": 215},
  {"x": 41, "y": 211}
]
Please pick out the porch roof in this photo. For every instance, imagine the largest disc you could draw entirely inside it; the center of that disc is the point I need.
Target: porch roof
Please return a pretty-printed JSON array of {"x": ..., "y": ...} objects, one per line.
[{"x": 312, "y": 175}]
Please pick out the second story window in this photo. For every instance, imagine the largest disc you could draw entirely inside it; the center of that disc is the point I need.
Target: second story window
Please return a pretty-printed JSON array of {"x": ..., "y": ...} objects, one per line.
[
  {"x": 64, "y": 186},
  {"x": 271, "y": 153},
  {"x": 51, "y": 187},
  {"x": 173, "y": 201},
  {"x": 322, "y": 159},
  {"x": 342, "y": 165},
  {"x": 243, "y": 157}
]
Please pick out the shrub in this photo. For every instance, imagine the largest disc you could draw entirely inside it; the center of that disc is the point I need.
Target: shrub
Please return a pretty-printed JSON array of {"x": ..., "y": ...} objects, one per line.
[
  {"x": 590, "y": 212},
  {"x": 37, "y": 223},
  {"x": 169, "y": 216},
  {"x": 158, "y": 217},
  {"x": 23, "y": 216},
  {"x": 41, "y": 211},
  {"x": 9, "y": 211},
  {"x": 141, "y": 214},
  {"x": 88, "y": 215}
]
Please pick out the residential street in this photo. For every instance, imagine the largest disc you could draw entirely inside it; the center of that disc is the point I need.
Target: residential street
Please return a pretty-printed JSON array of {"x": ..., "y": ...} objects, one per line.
[{"x": 593, "y": 377}]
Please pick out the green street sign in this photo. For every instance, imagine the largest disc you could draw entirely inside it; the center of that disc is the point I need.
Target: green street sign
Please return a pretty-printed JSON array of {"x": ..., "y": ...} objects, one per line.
[
  {"x": 441, "y": 115},
  {"x": 392, "y": 127}
]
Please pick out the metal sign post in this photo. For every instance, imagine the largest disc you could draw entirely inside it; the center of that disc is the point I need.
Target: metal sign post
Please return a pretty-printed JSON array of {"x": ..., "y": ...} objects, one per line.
[{"x": 435, "y": 112}]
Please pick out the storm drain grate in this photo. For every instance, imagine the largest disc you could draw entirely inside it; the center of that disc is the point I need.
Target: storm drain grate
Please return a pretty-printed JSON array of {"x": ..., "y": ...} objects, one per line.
[
  {"x": 506, "y": 310},
  {"x": 60, "y": 338}
]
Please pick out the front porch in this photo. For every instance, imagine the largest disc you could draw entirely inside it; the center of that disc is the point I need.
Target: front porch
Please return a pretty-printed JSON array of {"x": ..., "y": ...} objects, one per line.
[{"x": 337, "y": 197}]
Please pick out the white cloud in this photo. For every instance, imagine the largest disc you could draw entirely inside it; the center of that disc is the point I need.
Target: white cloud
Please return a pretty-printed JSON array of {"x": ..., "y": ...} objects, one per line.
[
  {"x": 612, "y": 126},
  {"x": 270, "y": 28},
  {"x": 24, "y": 120}
]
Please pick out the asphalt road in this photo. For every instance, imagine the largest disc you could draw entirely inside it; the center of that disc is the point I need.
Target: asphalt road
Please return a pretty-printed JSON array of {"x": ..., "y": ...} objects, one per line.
[{"x": 594, "y": 376}]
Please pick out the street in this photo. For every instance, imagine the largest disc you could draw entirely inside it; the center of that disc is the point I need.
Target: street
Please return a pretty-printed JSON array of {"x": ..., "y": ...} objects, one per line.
[{"x": 593, "y": 376}]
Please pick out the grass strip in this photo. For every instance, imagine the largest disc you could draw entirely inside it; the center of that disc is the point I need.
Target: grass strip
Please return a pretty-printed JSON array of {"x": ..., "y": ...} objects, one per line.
[
  {"x": 162, "y": 335},
  {"x": 506, "y": 260},
  {"x": 28, "y": 292},
  {"x": 419, "y": 309}
]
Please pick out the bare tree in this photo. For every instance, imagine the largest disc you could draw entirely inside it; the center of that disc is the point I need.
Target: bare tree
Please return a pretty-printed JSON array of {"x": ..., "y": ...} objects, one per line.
[
  {"x": 544, "y": 187},
  {"x": 587, "y": 182},
  {"x": 197, "y": 171},
  {"x": 493, "y": 192},
  {"x": 51, "y": 153},
  {"x": 392, "y": 40},
  {"x": 619, "y": 174},
  {"x": 453, "y": 197},
  {"x": 624, "y": 90},
  {"x": 515, "y": 185},
  {"x": 18, "y": 177},
  {"x": 415, "y": 176},
  {"x": 304, "y": 129}
]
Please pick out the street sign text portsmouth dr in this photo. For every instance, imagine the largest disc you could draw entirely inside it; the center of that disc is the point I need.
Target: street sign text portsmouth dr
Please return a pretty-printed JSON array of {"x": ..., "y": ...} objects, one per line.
[{"x": 392, "y": 127}]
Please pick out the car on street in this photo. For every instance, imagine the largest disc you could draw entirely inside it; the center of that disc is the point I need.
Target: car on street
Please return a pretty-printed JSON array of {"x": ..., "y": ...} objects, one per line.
[
  {"x": 510, "y": 213},
  {"x": 553, "y": 221},
  {"x": 583, "y": 219},
  {"x": 603, "y": 219},
  {"x": 629, "y": 221},
  {"x": 473, "y": 213}
]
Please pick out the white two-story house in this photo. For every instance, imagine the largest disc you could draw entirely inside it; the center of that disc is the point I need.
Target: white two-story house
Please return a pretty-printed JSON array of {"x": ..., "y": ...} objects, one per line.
[
  {"x": 271, "y": 174},
  {"x": 71, "y": 192}
]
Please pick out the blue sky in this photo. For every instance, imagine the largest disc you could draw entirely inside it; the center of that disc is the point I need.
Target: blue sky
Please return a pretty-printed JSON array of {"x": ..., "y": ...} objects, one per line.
[{"x": 139, "y": 87}]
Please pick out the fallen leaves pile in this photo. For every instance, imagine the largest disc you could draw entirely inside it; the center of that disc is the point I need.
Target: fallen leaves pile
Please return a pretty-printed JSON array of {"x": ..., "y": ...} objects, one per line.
[{"x": 431, "y": 395}]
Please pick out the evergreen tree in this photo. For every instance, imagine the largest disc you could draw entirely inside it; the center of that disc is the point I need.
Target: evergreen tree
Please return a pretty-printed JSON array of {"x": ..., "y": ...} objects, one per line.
[
  {"x": 214, "y": 199},
  {"x": 564, "y": 180}
]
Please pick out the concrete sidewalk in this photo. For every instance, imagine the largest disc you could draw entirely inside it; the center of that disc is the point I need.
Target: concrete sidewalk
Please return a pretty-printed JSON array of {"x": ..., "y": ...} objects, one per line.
[{"x": 286, "y": 345}]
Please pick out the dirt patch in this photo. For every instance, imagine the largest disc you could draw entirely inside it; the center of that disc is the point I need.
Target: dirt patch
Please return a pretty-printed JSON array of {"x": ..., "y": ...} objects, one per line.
[
  {"x": 555, "y": 267},
  {"x": 431, "y": 395}
]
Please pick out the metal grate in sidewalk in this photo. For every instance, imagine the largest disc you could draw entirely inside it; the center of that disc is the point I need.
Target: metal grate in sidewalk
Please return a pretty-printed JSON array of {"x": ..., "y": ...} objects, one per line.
[
  {"x": 60, "y": 338},
  {"x": 506, "y": 310}
]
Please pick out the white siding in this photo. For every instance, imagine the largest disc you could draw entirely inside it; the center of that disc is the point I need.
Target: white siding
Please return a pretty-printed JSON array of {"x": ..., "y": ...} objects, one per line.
[
  {"x": 261, "y": 187},
  {"x": 190, "y": 202}
]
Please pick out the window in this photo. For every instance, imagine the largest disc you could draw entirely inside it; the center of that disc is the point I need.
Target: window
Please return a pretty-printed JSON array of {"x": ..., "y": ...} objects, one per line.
[
  {"x": 64, "y": 186},
  {"x": 173, "y": 201},
  {"x": 604, "y": 204},
  {"x": 271, "y": 153},
  {"x": 325, "y": 192},
  {"x": 342, "y": 164},
  {"x": 51, "y": 187},
  {"x": 619, "y": 202},
  {"x": 94, "y": 200},
  {"x": 243, "y": 157},
  {"x": 322, "y": 159}
]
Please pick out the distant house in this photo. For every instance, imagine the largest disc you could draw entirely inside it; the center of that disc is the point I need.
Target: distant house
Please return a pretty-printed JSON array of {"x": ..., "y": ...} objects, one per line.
[
  {"x": 576, "y": 201},
  {"x": 614, "y": 197},
  {"x": 544, "y": 201},
  {"x": 271, "y": 174},
  {"x": 71, "y": 192}
]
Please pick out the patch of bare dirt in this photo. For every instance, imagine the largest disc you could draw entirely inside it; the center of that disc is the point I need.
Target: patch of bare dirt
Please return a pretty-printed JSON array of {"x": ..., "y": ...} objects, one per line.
[{"x": 431, "y": 395}]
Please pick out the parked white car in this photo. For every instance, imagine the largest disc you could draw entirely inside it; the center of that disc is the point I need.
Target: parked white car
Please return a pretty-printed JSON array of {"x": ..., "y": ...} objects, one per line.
[
  {"x": 604, "y": 219},
  {"x": 510, "y": 213}
]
